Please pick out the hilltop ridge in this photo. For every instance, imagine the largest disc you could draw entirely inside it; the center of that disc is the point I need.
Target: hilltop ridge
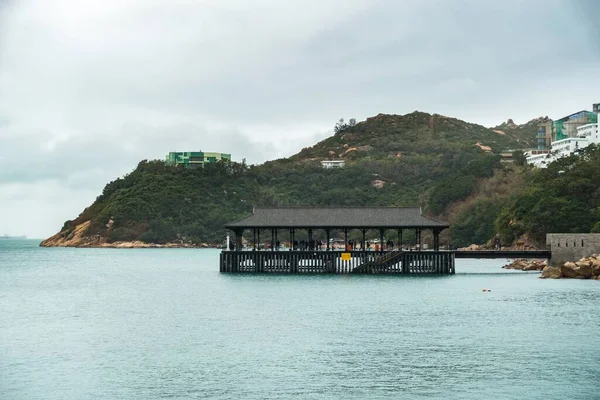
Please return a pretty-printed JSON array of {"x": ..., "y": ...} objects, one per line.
[{"x": 392, "y": 135}]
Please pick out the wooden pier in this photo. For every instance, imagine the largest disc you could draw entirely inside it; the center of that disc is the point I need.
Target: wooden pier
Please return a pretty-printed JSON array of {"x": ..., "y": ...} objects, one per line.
[
  {"x": 309, "y": 232},
  {"x": 338, "y": 262},
  {"x": 310, "y": 255}
]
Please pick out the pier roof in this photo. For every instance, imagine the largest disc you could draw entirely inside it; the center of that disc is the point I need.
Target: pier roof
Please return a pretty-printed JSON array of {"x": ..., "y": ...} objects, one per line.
[{"x": 337, "y": 218}]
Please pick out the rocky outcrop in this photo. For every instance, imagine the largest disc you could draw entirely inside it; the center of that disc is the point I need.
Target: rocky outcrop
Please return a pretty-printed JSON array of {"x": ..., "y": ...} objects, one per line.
[
  {"x": 473, "y": 247},
  {"x": 526, "y": 265},
  {"x": 78, "y": 238},
  {"x": 378, "y": 184},
  {"x": 522, "y": 243},
  {"x": 485, "y": 148},
  {"x": 551, "y": 273},
  {"x": 584, "y": 268},
  {"x": 579, "y": 269}
]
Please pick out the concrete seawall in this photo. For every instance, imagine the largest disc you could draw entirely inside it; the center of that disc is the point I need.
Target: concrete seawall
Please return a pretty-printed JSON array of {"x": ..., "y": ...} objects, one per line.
[{"x": 572, "y": 246}]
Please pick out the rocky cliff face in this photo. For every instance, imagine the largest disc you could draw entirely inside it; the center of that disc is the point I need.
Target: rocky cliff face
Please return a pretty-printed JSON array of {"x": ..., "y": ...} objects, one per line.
[{"x": 76, "y": 238}]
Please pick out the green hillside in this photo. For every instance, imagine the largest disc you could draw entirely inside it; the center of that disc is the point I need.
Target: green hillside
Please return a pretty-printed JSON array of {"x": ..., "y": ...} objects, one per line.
[
  {"x": 416, "y": 159},
  {"x": 565, "y": 197},
  {"x": 394, "y": 135}
]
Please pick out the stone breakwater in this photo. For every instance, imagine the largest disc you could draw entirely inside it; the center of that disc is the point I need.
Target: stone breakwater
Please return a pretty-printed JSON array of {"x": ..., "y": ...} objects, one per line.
[
  {"x": 584, "y": 268},
  {"x": 526, "y": 265}
]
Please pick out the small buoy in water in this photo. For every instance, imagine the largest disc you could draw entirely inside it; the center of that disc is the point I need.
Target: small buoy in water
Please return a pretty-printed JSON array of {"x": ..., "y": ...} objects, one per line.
[
  {"x": 489, "y": 290},
  {"x": 484, "y": 290}
]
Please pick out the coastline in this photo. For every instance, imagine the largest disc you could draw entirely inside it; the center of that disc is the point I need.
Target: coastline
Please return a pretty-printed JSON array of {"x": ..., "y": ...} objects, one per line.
[
  {"x": 134, "y": 245},
  {"x": 584, "y": 268},
  {"x": 78, "y": 238}
]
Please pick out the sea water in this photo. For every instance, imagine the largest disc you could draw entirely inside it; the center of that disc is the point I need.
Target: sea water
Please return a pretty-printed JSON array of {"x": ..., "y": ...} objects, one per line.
[{"x": 164, "y": 323}]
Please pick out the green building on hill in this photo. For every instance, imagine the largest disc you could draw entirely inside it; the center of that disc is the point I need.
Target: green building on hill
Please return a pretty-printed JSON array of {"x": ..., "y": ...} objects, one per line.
[
  {"x": 195, "y": 159},
  {"x": 567, "y": 127}
]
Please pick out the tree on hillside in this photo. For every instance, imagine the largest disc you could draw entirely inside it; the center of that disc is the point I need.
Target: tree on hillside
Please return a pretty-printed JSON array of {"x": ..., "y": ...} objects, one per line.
[
  {"x": 519, "y": 157},
  {"x": 341, "y": 125}
]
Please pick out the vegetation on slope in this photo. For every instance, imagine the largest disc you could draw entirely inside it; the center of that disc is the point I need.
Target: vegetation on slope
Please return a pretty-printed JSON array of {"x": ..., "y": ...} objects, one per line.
[
  {"x": 473, "y": 219},
  {"x": 416, "y": 159},
  {"x": 395, "y": 135},
  {"x": 525, "y": 202},
  {"x": 565, "y": 197}
]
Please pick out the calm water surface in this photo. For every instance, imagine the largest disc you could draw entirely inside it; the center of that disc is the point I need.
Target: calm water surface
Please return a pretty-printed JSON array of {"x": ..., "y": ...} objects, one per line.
[{"x": 163, "y": 323}]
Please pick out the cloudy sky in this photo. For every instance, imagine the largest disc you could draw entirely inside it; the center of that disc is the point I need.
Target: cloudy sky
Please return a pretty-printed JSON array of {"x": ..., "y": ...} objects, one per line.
[{"x": 89, "y": 88}]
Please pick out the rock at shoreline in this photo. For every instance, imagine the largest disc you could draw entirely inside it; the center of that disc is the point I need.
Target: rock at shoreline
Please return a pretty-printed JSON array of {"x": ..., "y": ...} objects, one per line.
[
  {"x": 579, "y": 269},
  {"x": 78, "y": 237},
  {"x": 584, "y": 268},
  {"x": 596, "y": 267},
  {"x": 551, "y": 273},
  {"x": 526, "y": 265}
]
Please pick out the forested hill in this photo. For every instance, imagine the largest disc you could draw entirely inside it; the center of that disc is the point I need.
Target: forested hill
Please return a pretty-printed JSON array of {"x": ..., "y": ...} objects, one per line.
[
  {"x": 416, "y": 159},
  {"x": 415, "y": 133}
]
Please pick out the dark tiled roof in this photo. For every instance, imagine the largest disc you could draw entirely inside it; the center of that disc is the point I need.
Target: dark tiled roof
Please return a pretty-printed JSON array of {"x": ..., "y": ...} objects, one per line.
[{"x": 337, "y": 217}]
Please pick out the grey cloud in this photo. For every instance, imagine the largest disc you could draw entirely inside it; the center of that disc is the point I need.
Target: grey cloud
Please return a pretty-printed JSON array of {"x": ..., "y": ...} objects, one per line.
[
  {"x": 385, "y": 56},
  {"x": 373, "y": 61},
  {"x": 90, "y": 88},
  {"x": 89, "y": 161}
]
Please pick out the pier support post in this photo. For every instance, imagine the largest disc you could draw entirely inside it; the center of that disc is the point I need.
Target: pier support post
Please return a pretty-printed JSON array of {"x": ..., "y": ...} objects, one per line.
[
  {"x": 405, "y": 263},
  {"x": 381, "y": 240},
  {"x": 238, "y": 239},
  {"x": 364, "y": 241},
  {"x": 400, "y": 239},
  {"x": 436, "y": 240},
  {"x": 328, "y": 233},
  {"x": 272, "y": 239}
]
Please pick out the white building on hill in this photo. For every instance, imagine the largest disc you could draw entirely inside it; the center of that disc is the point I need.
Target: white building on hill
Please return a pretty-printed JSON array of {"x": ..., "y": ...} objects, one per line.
[
  {"x": 538, "y": 158},
  {"x": 585, "y": 135},
  {"x": 327, "y": 164}
]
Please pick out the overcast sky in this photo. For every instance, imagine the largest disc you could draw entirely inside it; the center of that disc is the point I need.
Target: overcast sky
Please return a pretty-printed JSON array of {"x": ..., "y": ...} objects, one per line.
[{"x": 89, "y": 88}]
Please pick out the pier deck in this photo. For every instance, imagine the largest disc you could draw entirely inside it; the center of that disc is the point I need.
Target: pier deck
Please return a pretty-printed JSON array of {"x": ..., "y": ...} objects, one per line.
[
  {"x": 337, "y": 262},
  {"x": 540, "y": 254}
]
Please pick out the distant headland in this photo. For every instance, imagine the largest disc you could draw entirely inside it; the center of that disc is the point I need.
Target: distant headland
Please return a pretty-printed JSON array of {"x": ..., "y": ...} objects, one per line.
[{"x": 7, "y": 237}]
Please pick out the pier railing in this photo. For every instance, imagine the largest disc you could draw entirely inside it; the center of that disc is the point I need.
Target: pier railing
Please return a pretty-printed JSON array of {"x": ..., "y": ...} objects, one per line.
[{"x": 337, "y": 262}]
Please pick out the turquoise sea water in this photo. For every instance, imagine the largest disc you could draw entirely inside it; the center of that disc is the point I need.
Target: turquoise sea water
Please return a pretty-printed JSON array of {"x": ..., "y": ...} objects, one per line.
[{"x": 163, "y": 323}]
